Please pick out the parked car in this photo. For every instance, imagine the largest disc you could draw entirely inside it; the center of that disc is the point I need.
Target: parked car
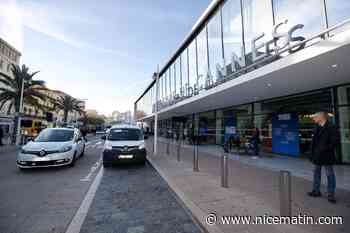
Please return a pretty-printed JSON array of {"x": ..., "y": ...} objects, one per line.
[
  {"x": 53, "y": 147},
  {"x": 124, "y": 144}
]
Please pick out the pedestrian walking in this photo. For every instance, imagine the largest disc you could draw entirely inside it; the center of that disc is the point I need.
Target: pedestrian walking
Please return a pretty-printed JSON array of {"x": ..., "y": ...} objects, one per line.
[
  {"x": 255, "y": 141},
  {"x": 324, "y": 142}
]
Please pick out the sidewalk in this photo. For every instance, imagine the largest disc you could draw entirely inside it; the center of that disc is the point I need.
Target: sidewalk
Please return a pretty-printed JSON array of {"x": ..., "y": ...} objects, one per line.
[
  {"x": 253, "y": 191},
  {"x": 300, "y": 167}
]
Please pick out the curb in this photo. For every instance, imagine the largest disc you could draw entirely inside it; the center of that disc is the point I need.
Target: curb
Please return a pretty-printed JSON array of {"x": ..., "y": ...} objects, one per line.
[{"x": 196, "y": 213}]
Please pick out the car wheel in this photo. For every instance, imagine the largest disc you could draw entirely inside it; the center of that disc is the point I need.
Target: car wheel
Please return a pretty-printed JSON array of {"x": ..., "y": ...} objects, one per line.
[
  {"x": 83, "y": 152},
  {"x": 72, "y": 164}
]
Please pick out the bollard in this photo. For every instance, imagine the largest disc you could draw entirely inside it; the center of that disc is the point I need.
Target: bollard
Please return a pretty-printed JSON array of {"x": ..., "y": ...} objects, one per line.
[
  {"x": 168, "y": 147},
  {"x": 285, "y": 186},
  {"x": 178, "y": 150},
  {"x": 195, "y": 158},
  {"x": 224, "y": 170},
  {"x": 152, "y": 141}
]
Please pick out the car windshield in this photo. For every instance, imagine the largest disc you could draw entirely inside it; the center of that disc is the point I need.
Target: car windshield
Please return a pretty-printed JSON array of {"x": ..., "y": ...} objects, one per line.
[
  {"x": 125, "y": 135},
  {"x": 55, "y": 135}
]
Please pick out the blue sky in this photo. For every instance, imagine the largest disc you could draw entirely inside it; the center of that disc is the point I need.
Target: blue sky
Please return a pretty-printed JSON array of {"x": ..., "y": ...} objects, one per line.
[{"x": 104, "y": 51}]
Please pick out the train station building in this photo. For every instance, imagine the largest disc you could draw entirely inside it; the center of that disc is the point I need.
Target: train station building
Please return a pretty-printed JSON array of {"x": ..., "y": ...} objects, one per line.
[{"x": 266, "y": 64}]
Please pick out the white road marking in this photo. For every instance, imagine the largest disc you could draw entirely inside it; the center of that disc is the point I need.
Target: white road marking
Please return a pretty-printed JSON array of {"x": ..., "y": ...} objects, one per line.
[
  {"x": 92, "y": 170},
  {"x": 79, "y": 217}
]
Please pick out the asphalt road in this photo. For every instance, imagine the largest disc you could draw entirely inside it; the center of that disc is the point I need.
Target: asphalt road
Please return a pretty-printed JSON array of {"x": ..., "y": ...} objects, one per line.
[
  {"x": 136, "y": 199},
  {"x": 130, "y": 199},
  {"x": 44, "y": 200}
]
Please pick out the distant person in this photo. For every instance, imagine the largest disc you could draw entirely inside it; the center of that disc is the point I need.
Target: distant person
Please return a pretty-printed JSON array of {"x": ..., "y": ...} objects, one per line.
[
  {"x": 324, "y": 142},
  {"x": 1, "y": 135},
  {"x": 255, "y": 141},
  {"x": 84, "y": 132}
]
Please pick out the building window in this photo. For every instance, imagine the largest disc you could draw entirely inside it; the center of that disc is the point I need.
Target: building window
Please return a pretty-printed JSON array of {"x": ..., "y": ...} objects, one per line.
[
  {"x": 257, "y": 19},
  {"x": 344, "y": 95},
  {"x": 179, "y": 83},
  {"x": 202, "y": 56},
  {"x": 299, "y": 12},
  {"x": 161, "y": 87},
  {"x": 192, "y": 60},
  {"x": 8, "y": 69},
  {"x": 1, "y": 64},
  {"x": 169, "y": 82},
  {"x": 337, "y": 11},
  {"x": 232, "y": 32},
  {"x": 184, "y": 70},
  {"x": 175, "y": 78},
  {"x": 344, "y": 121},
  {"x": 344, "y": 128},
  {"x": 215, "y": 46}
]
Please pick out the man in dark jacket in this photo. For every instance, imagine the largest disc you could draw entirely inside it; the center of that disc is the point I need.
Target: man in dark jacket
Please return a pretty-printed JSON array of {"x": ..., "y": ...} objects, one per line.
[{"x": 324, "y": 142}]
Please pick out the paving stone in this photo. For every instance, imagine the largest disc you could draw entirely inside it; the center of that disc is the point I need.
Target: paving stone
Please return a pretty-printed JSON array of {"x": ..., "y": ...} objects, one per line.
[{"x": 135, "y": 199}]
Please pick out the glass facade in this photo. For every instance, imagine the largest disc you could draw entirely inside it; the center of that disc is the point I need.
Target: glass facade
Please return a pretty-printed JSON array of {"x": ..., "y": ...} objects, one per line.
[
  {"x": 232, "y": 32},
  {"x": 202, "y": 59},
  {"x": 184, "y": 72},
  {"x": 313, "y": 23},
  {"x": 232, "y": 39},
  {"x": 344, "y": 121},
  {"x": 215, "y": 49},
  {"x": 257, "y": 20},
  {"x": 235, "y": 37},
  {"x": 337, "y": 11},
  {"x": 192, "y": 64}
]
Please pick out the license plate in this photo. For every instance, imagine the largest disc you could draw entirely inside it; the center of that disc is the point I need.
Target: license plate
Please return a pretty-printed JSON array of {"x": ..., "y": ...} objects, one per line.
[{"x": 125, "y": 156}]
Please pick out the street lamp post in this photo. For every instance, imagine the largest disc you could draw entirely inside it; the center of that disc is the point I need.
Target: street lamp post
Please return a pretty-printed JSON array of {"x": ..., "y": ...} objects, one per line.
[
  {"x": 156, "y": 77},
  {"x": 18, "y": 133}
]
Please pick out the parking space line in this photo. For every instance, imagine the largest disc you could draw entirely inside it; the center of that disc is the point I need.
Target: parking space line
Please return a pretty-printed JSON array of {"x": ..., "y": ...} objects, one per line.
[
  {"x": 79, "y": 217},
  {"x": 92, "y": 170}
]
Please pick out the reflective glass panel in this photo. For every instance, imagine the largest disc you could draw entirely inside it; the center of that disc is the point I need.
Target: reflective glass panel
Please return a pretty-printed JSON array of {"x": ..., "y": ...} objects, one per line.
[
  {"x": 178, "y": 76},
  {"x": 337, "y": 11},
  {"x": 344, "y": 95},
  {"x": 215, "y": 45},
  {"x": 202, "y": 58},
  {"x": 184, "y": 70},
  {"x": 232, "y": 30},
  {"x": 257, "y": 18},
  {"x": 306, "y": 12},
  {"x": 192, "y": 60}
]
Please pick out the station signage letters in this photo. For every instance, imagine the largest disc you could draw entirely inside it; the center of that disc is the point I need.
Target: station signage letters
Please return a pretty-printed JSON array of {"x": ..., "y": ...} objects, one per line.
[{"x": 261, "y": 50}]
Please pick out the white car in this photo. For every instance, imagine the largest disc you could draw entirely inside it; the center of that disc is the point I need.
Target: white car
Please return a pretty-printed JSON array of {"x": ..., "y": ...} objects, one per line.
[
  {"x": 124, "y": 144},
  {"x": 53, "y": 147}
]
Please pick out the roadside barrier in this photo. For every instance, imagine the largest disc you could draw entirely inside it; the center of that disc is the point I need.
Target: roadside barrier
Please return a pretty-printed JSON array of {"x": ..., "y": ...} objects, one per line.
[
  {"x": 178, "y": 150},
  {"x": 168, "y": 147},
  {"x": 285, "y": 188},
  {"x": 195, "y": 157},
  {"x": 224, "y": 169}
]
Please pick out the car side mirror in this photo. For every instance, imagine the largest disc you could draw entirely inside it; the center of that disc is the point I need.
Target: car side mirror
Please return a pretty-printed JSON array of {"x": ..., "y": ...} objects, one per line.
[{"x": 104, "y": 137}]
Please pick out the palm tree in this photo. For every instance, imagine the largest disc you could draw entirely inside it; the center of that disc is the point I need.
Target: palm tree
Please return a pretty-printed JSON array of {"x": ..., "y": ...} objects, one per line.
[
  {"x": 11, "y": 91},
  {"x": 68, "y": 104}
]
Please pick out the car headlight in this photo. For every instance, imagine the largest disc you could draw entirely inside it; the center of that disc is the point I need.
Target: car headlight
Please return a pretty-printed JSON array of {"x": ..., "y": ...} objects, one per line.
[
  {"x": 142, "y": 146},
  {"x": 108, "y": 146},
  {"x": 65, "y": 149}
]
